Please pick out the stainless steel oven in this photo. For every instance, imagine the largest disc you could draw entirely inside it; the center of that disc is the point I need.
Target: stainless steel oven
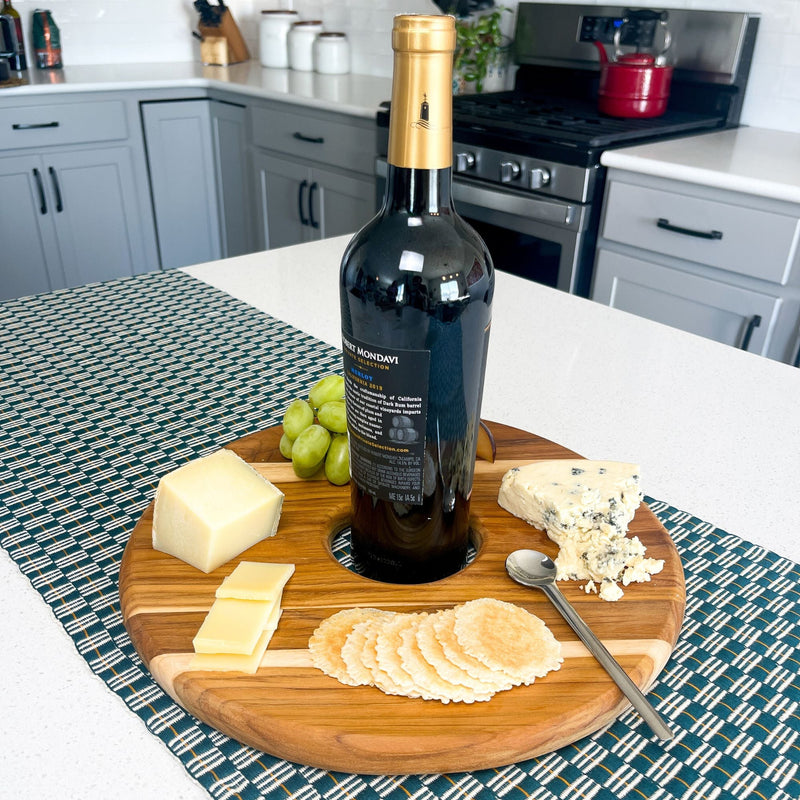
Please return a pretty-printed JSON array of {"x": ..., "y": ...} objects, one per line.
[
  {"x": 539, "y": 238},
  {"x": 527, "y": 169}
]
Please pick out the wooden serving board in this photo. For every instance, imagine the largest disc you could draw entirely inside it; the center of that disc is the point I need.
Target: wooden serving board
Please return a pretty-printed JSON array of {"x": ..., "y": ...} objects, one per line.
[{"x": 292, "y": 710}]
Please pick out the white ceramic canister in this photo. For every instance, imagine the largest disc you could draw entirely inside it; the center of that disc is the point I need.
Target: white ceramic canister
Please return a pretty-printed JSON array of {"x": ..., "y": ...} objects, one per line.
[
  {"x": 301, "y": 44},
  {"x": 273, "y": 33},
  {"x": 332, "y": 53}
]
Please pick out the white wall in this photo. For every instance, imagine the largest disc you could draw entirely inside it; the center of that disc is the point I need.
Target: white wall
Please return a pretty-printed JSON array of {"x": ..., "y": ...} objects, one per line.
[{"x": 105, "y": 31}]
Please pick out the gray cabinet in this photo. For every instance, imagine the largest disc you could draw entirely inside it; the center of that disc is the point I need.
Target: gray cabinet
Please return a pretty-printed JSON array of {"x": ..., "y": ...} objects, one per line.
[
  {"x": 77, "y": 215},
  {"x": 196, "y": 152},
  {"x": 717, "y": 263},
  {"x": 312, "y": 173}
]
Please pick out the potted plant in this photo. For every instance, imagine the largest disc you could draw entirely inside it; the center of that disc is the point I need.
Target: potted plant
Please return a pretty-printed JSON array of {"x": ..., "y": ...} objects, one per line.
[{"x": 482, "y": 53}]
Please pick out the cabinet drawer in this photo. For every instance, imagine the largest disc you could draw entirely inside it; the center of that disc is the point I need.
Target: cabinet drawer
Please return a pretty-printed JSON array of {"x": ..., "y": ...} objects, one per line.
[
  {"x": 67, "y": 123},
  {"x": 331, "y": 141},
  {"x": 761, "y": 244}
]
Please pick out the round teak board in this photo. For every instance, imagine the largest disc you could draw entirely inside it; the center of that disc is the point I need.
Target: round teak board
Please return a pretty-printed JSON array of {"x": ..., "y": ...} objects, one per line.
[{"x": 291, "y": 710}]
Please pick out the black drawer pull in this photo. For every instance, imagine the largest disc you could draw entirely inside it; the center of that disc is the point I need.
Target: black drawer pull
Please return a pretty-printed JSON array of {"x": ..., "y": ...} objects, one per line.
[
  {"x": 300, "y": 211},
  {"x": 29, "y": 126},
  {"x": 311, "y": 221},
  {"x": 56, "y": 189},
  {"x": 311, "y": 139},
  {"x": 664, "y": 224},
  {"x": 754, "y": 322},
  {"x": 40, "y": 187}
]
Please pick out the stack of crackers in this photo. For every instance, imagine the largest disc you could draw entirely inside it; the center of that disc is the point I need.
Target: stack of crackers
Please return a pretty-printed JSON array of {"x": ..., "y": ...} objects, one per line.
[{"x": 463, "y": 654}]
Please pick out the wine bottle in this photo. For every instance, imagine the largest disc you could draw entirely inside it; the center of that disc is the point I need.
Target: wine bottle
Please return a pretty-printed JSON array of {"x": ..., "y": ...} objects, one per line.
[
  {"x": 17, "y": 61},
  {"x": 416, "y": 286}
]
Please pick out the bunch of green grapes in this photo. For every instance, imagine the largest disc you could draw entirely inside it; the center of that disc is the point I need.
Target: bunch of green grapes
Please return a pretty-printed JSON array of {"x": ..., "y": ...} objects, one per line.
[{"x": 315, "y": 432}]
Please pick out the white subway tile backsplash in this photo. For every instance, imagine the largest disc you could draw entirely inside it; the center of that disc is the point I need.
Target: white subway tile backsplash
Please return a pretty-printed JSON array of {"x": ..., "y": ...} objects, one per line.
[{"x": 125, "y": 31}]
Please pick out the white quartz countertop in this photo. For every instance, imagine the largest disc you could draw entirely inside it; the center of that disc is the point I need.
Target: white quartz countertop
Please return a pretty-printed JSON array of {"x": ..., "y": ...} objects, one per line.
[
  {"x": 756, "y": 161},
  {"x": 358, "y": 95},
  {"x": 715, "y": 430}
]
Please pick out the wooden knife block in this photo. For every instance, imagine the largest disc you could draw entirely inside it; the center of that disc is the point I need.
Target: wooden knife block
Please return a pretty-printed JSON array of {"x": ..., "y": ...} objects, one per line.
[{"x": 229, "y": 30}]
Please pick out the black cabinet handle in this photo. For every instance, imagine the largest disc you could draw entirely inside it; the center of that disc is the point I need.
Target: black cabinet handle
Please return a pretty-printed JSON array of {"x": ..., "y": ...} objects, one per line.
[
  {"x": 29, "y": 126},
  {"x": 300, "y": 209},
  {"x": 56, "y": 189},
  {"x": 311, "y": 191},
  {"x": 311, "y": 139},
  {"x": 40, "y": 187},
  {"x": 754, "y": 322},
  {"x": 665, "y": 225}
]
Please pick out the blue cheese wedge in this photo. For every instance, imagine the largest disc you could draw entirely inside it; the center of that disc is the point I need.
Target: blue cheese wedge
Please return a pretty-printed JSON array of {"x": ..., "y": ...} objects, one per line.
[{"x": 585, "y": 508}]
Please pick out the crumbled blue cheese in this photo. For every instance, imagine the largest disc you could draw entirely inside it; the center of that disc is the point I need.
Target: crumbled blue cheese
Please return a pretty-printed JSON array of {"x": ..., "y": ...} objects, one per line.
[{"x": 585, "y": 508}]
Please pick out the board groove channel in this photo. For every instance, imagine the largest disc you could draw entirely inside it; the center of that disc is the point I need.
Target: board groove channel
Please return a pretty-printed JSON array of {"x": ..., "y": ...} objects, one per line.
[{"x": 293, "y": 711}]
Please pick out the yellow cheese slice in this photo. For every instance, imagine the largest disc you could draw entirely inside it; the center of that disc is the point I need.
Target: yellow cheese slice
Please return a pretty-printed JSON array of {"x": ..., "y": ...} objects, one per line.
[
  {"x": 212, "y": 509},
  {"x": 252, "y": 580},
  {"x": 233, "y": 662},
  {"x": 234, "y": 626}
]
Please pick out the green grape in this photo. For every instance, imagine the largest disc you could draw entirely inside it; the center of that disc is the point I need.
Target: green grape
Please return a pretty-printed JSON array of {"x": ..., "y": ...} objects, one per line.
[
  {"x": 285, "y": 446},
  {"x": 297, "y": 417},
  {"x": 331, "y": 387},
  {"x": 308, "y": 450},
  {"x": 337, "y": 462},
  {"x": 332, "y": 415}
]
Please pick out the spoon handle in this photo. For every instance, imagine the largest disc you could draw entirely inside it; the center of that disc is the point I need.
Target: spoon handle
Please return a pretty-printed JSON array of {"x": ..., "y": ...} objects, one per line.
[{"x": 608, "y": 662}]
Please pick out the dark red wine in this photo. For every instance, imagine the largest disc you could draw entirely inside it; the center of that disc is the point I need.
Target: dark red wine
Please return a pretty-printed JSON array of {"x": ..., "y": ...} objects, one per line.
[{"x": 416, "y": 290}]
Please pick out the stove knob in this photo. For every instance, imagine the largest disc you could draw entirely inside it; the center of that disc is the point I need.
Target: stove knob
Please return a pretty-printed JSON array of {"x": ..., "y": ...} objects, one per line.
[
  {"x": 540, "y": 176},
  {"x": 464, "y": 161},
  {"x": 508, "y": 171}
]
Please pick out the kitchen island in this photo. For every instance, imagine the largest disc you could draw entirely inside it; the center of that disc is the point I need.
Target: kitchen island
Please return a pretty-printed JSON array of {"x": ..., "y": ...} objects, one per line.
[{"x": 714, "y": 429}]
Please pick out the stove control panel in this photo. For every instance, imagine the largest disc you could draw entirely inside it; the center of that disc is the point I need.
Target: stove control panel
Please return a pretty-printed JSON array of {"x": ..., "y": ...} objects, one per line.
[{"x": 637, "y": 32}]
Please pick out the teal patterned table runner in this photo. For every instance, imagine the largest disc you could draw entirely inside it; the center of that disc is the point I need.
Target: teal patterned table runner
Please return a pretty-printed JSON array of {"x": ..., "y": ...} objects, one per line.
[{"x": 107, "y": 387}]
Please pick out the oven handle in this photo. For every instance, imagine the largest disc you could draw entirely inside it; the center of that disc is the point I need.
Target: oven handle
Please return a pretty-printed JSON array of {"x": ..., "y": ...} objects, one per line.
[{"x": 554, "y": 212}]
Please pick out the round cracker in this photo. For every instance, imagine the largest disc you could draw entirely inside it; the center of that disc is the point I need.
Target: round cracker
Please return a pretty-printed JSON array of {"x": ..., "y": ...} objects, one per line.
[
  {"x": 328, "y": 639},
  {"x": 507, "y": 638},
  {"x": 444, "y": 628},
  {"x": 387, "y": 645}
]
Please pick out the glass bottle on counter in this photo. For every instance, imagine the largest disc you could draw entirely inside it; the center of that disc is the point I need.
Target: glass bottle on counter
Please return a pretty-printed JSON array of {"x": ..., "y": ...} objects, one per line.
[
  {"x": 416, "y": 287},
  {"x": 17, "y": 62}
]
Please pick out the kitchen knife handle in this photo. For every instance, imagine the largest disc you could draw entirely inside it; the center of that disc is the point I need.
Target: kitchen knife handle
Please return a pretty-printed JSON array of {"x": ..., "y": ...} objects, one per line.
[
  {"x": 311, "y": 139},
  {"x": 754, "y": 322},
  {"x": 312, "y": 190},
  {"x": 665, "y": 225},
  {"x": 56, "y": 189},
  {"x": 300, "y": 211},
  {"x": 40, "y": 187}
]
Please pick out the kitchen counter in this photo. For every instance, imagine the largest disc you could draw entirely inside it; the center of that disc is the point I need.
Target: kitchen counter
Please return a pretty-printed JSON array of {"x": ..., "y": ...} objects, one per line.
[
  {"x": 715, "y": 430},
  {"x": 358, "y": 95},
  {"x": 756, "y": 161}
]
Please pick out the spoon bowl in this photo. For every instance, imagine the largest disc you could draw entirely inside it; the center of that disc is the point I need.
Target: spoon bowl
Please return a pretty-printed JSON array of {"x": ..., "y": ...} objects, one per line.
[{"x": 537, "y": 570}]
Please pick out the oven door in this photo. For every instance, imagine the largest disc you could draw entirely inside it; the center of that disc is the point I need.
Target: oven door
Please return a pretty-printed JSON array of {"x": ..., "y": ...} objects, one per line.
[{"x": 541, "y": 239}]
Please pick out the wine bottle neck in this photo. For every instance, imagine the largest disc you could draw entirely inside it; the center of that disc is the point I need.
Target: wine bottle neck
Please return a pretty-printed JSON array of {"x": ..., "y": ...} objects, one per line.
[{"x": 418, "y": 191}]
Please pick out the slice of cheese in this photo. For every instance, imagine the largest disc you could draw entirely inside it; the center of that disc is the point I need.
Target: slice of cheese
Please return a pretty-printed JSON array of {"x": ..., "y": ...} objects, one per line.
[
  {"x": 234, "y": 626},
  {"x": 212, "y": 509},
  {"x": 585, "y": 507},
  {"x": 234, "y": 662},
  {"x": 252, "y": 580}
]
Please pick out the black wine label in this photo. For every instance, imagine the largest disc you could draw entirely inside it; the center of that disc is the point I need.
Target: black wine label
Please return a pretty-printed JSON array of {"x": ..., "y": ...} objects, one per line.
[{"x": 386, "y": 392}]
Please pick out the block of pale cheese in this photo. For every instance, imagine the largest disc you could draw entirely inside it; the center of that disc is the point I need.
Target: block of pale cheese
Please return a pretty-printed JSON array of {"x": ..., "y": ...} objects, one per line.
[
  {"x": 239, "y": 662},
  {"x": 212, "y": 509},
  {"x": 253, "y": 580},
  {"x": 585, "y": 507},
  {"x": 233, "y": 626}
]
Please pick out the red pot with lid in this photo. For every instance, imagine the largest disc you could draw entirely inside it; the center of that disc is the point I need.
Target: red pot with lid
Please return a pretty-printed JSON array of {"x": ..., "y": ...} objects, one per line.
[{"x": 636, "y": 84}]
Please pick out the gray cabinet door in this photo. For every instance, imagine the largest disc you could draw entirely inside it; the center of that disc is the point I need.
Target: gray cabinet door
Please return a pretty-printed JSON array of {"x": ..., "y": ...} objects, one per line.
[
  {"x": 182, "y": 180},
  {"x": 96, "y": 215},
  {"x": 283, "y": 188},
  {"x": 342, "y": 204},
  {"x": 29, "y": 257},
  {"x": 713, "y": 309}
]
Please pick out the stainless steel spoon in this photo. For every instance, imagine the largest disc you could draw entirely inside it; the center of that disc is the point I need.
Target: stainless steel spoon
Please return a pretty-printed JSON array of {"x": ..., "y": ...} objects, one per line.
[{"x": 532, "y": 568}]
